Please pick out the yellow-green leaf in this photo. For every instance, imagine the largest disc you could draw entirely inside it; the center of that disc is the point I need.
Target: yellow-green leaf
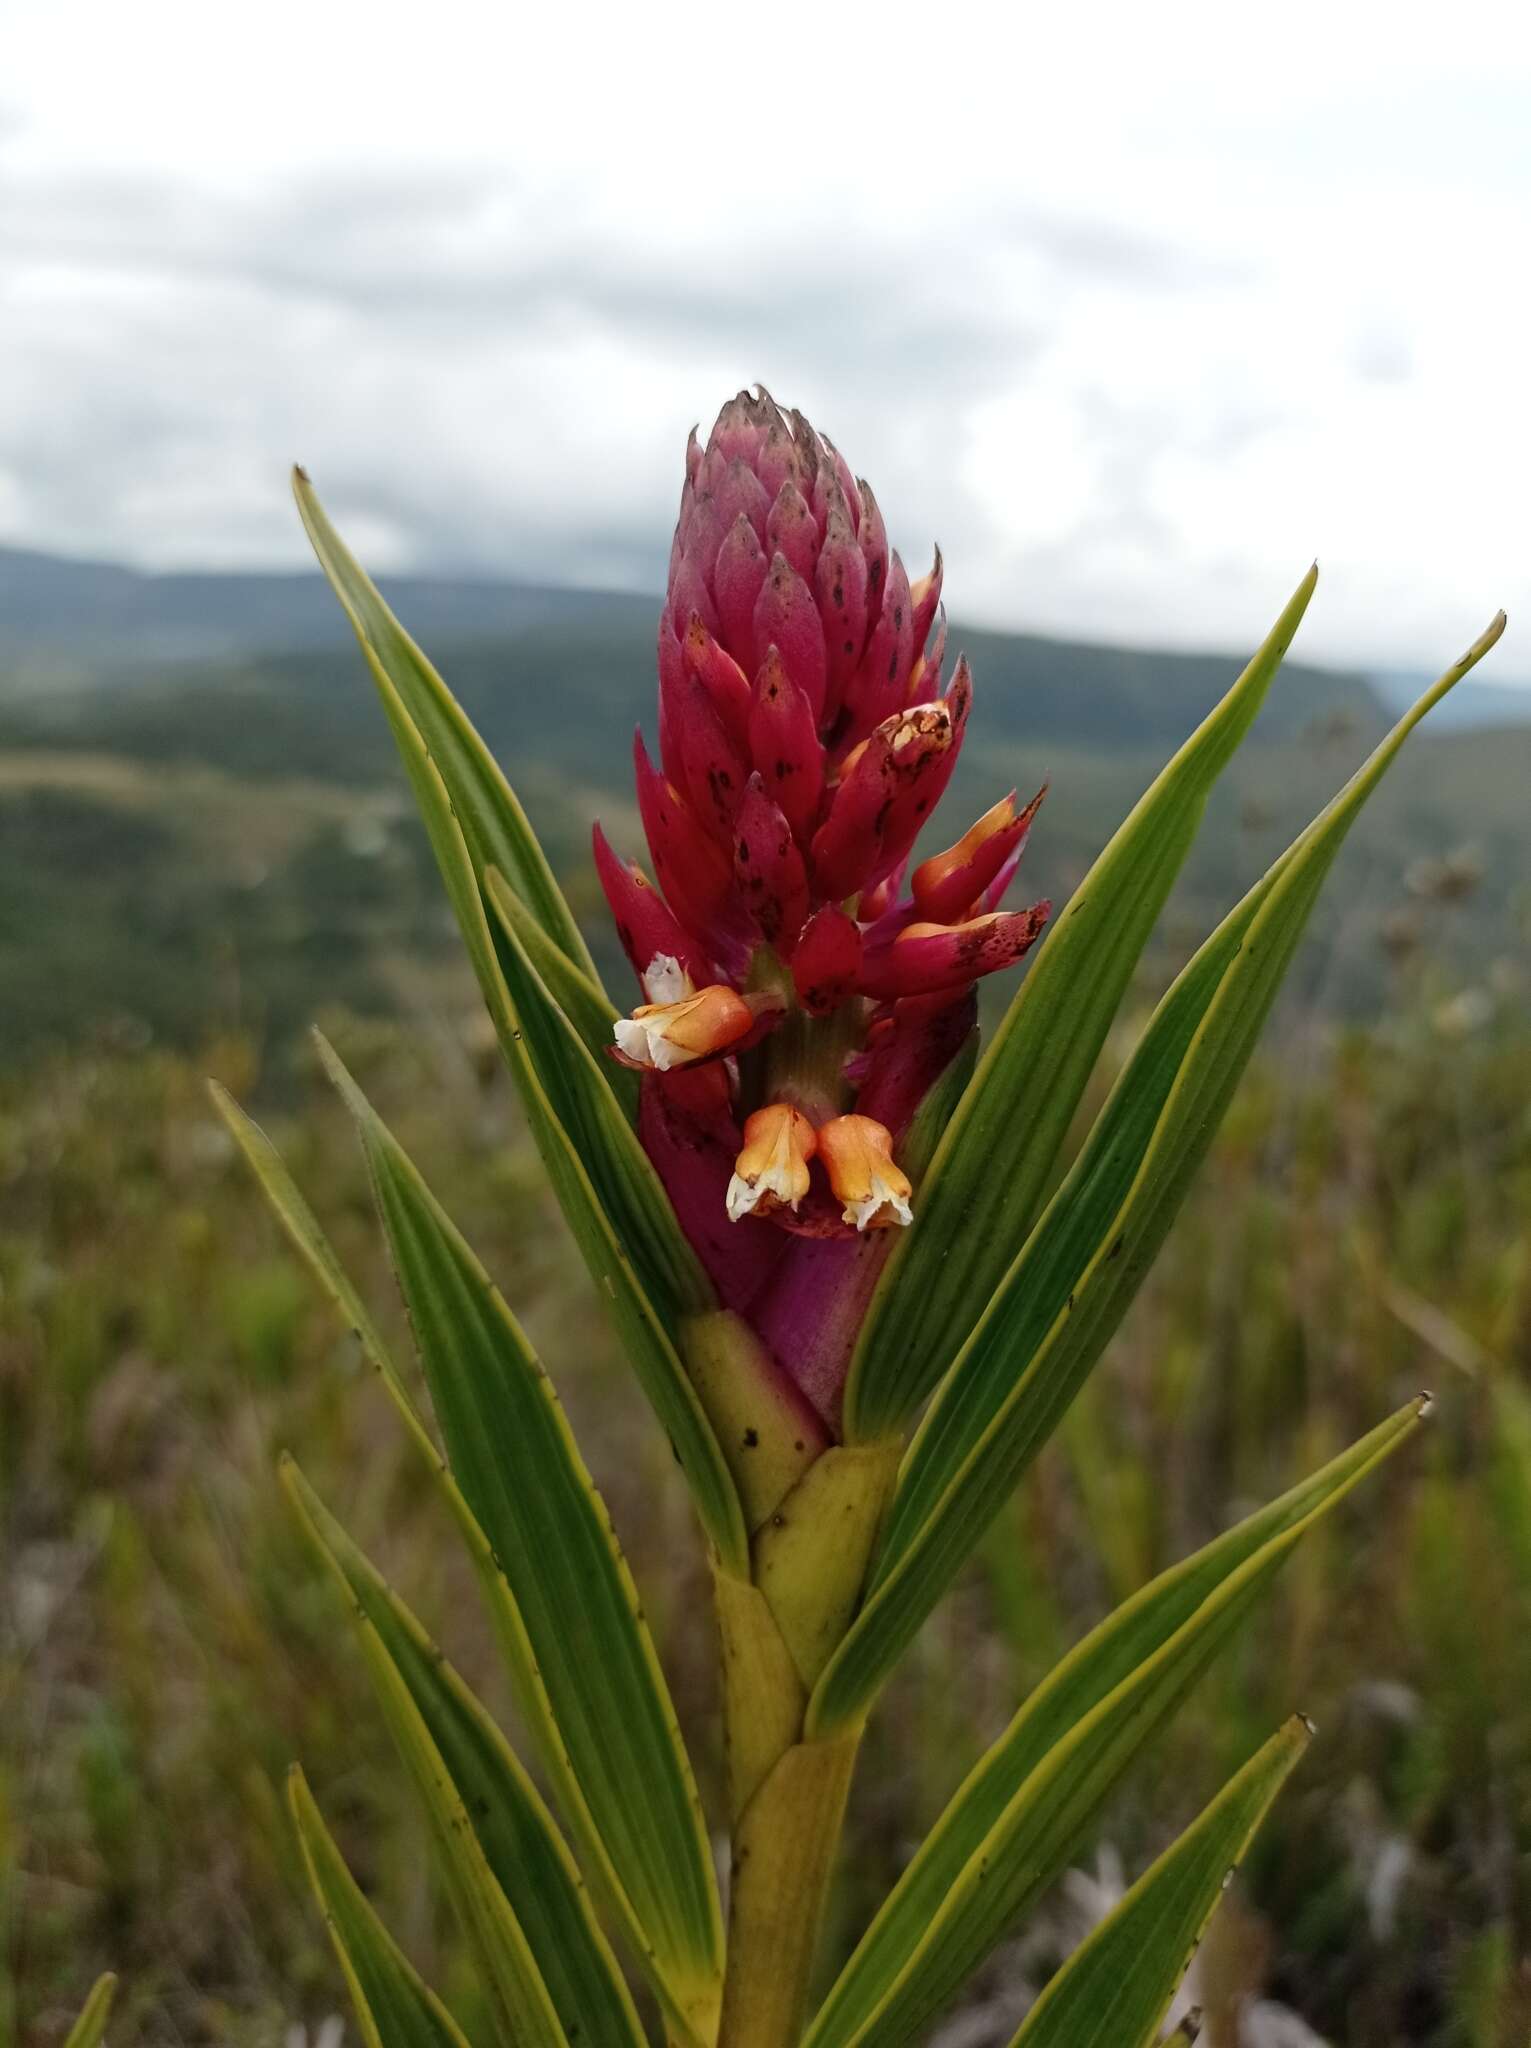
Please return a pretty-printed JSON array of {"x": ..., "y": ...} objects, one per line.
[
  {"x": 582, "y": 1001},
  {"x": 972, "y": 1219},
  {"x": 493, "y": 823},
  {"x": 575, "y": 1082},
  {"x": 1065, "y": 1295},
  {"x": 515, "y": 1830},
  {"x": 89, "y": 2028},
  {"x": 1017, "y": 1818},
  {"x": 1116, "y": 1988},
  {"x": 640, "y": 1297},
  {"x": 302, "y": 1227},
  {"x": 613, "y": 1737},
  {"x": 394, "y": 2008}
]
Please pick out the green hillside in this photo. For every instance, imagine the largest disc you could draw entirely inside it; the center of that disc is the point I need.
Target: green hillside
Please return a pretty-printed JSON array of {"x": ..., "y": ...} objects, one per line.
[{"x": 219, "y": 845}]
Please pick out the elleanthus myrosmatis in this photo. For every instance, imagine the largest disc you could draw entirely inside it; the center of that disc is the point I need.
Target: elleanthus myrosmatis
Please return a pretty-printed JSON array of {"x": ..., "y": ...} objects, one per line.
[{"x": 802, "y": 992}]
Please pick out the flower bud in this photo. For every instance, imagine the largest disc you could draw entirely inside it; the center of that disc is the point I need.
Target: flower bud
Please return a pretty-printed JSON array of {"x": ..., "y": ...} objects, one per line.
[
  {"x": 927, "y": 957},
  {"x": 950, "y": 883}
]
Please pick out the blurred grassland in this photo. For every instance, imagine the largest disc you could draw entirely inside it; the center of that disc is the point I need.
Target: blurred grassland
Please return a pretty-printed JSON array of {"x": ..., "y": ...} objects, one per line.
[{"x": 166, "y": 1646}]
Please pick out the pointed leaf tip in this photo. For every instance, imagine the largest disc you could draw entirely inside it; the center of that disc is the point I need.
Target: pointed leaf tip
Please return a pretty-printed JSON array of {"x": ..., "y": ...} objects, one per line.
[{"x": 1115, "y": 1989}]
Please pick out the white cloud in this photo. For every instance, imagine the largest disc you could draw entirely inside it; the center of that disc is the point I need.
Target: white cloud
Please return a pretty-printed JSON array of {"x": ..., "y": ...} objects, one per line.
[{"x": 1136, "y": 309}]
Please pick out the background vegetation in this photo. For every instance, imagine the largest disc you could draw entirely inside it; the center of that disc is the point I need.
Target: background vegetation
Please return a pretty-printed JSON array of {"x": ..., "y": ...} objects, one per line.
[{"x": 198, "y": 858}]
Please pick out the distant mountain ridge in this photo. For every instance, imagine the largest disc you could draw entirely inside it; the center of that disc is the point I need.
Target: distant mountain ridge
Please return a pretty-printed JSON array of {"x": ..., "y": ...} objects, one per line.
[
  {"x": 115, "y": 623},
  {"x": 126, "y": 620}
]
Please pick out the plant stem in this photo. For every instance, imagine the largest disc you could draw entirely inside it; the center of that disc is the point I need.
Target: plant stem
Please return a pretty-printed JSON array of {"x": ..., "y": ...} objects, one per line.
[
  {"x": 783, "y": 1854},
  {"x": 788, "y": 1794}
]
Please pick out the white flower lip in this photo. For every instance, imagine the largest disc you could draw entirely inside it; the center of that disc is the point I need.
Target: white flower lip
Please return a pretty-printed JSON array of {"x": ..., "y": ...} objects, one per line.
[
  {"x": 666, "y": 981},
  {"x": 643, "y": 1039},
  {"x": 880, "y": 1196},
  {"x": 744, "y": 1196}
]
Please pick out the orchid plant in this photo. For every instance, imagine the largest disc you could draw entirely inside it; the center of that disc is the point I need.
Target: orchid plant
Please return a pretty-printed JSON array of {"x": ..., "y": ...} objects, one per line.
[{"x": 852, "y": 1285}]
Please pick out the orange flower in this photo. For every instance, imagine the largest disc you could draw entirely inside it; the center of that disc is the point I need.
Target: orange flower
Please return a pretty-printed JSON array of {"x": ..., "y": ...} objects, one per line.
[
  {"x": 858, "y": 1153},
  {"x": 665, "y": 1035},
  {"x": 772, "y": 1168}
]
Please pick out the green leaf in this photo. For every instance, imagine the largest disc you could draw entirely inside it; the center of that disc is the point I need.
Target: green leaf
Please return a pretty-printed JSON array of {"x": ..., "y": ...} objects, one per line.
[
  {"x": 1018, "y": 1817},
  {"x": 971, "y": 1220},
  {"x": 504, "y": 1958},
  {"x": 574, "y": 1081},
  {"x": 583, "y": 1002},
  {"x": 612, "y": 1745},
  {"x": 1115, "y": 1989},
  {"x": 493, "y": 823},
  {"x": 89, "y": 2028},
  {"x": 298, "y": 1220},
  {"x": 520, "y": 1842},
  {"x": 309, "y": 1240},
  {"x": 394, "y": 2009},
  {"x": 1065, "y": 1295},
  {"x": 639, "y": 1301}
]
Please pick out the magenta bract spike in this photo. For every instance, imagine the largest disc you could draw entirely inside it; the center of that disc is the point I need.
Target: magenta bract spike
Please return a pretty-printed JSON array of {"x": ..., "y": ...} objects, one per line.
[
  {"x": 926, "y": 958},
  {"x": 688, "y": 594},
  {"x": 847, "y": 845},
  {"x": 694, "y": 872},
  {"x": 715, "y": 766},
  {"x": 873, "y": 537},
  {"x": 741, "y": 494},
  {"x": 646, "y": 925},
  {"x": 791, "y": 531},
  {"x": 840, "y": 585},
  {"x": 805, "y": 740},
  {"x": 880, "y": 685},
  {"x": 928, "y": 739},
  {"x": 704, "y": 536},
  {"x": 768, "y": 867},
  {"x": 778, "y": 460},
  {"x": 927, "y": 602},
  {"x": 925, "y": 679},
  {"x": 949, "y": 885},
  {"x": 737, "y": 576},
  {"x": 784, "y": 746},
  {"x": 787, "y": 619},
  {"x": 672, "y": 683},
  {"x": 721, "y": 677},
  {"x": 827, "y": 962}
]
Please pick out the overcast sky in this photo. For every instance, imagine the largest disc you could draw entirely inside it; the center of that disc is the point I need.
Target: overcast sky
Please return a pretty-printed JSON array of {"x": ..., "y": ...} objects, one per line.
[{"x": 1134, "y": 309}]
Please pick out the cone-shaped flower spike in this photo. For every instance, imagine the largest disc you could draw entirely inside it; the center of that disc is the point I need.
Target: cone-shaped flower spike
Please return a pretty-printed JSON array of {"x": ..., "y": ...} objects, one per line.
[{"x": 805, "y": 739}]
